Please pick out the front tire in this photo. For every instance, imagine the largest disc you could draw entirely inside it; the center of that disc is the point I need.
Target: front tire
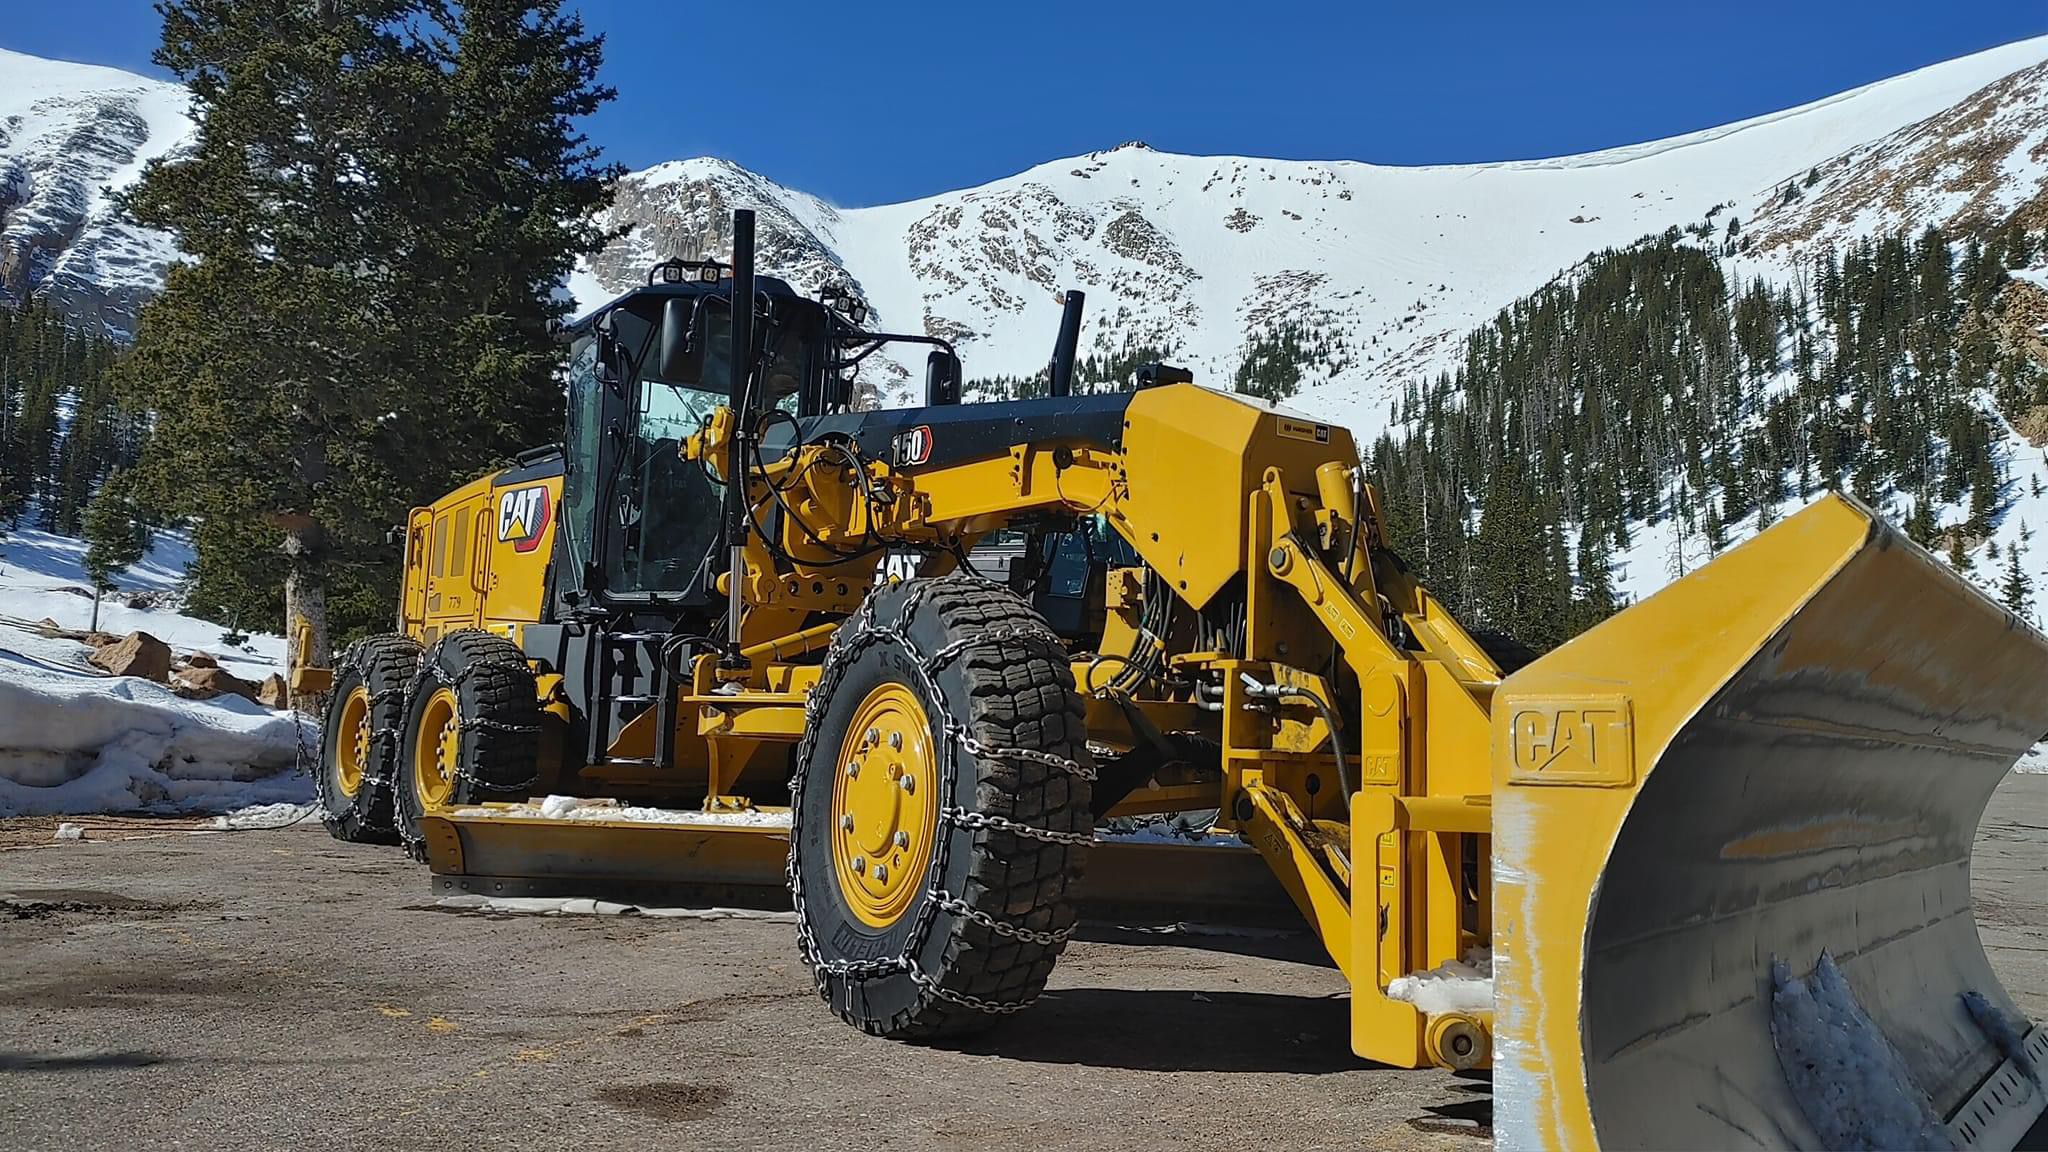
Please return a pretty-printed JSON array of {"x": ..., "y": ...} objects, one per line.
[
  {"x": 941, "y": 815},
  {"x": 360, "y": 738},
  {"x": 472, "y": 731}
]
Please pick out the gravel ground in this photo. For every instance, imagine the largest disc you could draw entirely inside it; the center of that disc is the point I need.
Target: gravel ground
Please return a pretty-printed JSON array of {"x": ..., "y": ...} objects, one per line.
[{"x": 274, "y": 989}]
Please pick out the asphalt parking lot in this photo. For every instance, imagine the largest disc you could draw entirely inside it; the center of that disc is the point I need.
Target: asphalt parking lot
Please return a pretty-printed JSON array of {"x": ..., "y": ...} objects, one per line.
[{"x": 279, "y": 990}]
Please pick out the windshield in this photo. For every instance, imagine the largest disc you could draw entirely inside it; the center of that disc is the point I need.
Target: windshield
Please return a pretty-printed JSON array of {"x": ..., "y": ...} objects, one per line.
[{"x": 789, "y": 350}]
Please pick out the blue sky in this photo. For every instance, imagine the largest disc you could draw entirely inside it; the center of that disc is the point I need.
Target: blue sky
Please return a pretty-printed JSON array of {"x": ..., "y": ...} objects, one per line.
[{"x": 871, "y": 102}]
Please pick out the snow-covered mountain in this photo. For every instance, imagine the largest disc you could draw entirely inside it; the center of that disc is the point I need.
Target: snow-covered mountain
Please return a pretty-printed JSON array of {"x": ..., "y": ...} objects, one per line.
[
  {"x": 1192, "y": 253},
  {"x": 68, "y": 134}
]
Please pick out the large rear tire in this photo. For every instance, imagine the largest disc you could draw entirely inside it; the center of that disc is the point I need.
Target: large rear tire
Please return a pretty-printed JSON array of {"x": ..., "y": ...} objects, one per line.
[
  {"x": 940, "y": 817},
  {"x": 472, "y": 731},
  {"x": 359, "y": 741}
]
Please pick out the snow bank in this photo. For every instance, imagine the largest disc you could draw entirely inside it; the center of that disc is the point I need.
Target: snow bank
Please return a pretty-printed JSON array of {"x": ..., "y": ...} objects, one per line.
[
  {"x": 1453, "y": 986},
  {"x": 2035, "y": 762},
  {"x": 76, "y": 743}
]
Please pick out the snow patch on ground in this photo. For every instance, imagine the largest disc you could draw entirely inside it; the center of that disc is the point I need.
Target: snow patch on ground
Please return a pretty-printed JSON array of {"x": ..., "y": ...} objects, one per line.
[
  {"x": 1453, "y": 986},
  {"x": 2035, "y": 762},
  {"x": 584, "y": 906},
  {"x": 72, "y": 742},
  {"x": 258, "y": 817}
]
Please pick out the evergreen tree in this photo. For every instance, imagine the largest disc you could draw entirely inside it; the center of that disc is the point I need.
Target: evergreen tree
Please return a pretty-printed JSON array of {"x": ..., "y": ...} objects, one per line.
[
  {"x": 378, "y": 202},
  {"x": 115, "y": 538},
  {"x": 2017, "y": 587}
]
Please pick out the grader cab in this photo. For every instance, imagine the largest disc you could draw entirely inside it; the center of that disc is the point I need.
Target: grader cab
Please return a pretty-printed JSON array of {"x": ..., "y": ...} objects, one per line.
[{"x": 1716, "y": 850}]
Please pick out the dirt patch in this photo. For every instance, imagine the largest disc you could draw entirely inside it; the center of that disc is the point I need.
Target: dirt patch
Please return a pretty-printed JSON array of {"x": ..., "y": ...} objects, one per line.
[
  {"x": 41, "y": 831},
  {"x": 671, "y": 1103},
  {"x": 42, "y": 903},
  {"x": 136, "y": 988}
]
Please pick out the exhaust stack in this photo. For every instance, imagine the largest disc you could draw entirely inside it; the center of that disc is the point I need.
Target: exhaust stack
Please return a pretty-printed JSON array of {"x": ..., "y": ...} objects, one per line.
[{"x": 1069, "y": 341}]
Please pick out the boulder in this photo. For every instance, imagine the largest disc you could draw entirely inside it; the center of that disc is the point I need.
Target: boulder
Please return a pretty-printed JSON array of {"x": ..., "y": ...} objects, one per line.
[
  {"x": 272, "y": 692},
  {"x": 101, "y": 639},
  {"x": 201, "y": 660},
  {"x": 206, "y": 683},
  {"x": 136, "y": 654}
]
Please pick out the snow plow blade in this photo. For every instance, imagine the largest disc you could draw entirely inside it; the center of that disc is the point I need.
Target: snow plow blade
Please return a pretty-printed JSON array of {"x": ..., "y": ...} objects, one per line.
[
  {"x": 743, "y": 864},
  {"x": 1731, "y": 859}
]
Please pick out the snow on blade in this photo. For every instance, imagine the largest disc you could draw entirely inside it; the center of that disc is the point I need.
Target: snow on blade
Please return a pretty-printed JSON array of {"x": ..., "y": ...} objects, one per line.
[
  {"x": 1846, "y": 1076},
  {"x": 586, "y": 906},
  {"x": 1453, "y": 986},
  {"x": 577, "y": 808}
]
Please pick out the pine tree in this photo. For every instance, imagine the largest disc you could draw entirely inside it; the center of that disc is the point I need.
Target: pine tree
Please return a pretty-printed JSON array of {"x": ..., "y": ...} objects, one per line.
[
  {"x": 2017, "y": 588},
  {"x": 115, "y": 538},
  {"x": 379, "y": 200}
]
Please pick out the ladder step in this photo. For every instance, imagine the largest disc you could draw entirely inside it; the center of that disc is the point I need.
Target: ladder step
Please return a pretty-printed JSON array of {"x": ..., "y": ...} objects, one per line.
[
  {"x": 620, "y": 638},
  {"x": 639, "y": 699},
  {"x": 630, "y": 761}
]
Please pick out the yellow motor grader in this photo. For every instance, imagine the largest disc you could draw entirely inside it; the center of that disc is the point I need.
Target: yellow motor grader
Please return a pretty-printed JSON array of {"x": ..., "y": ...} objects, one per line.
[{"x": 733, "y": 632}]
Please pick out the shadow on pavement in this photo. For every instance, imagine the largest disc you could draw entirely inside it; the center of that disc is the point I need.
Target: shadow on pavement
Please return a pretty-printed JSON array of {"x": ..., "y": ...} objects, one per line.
[{"x": 1177, "y": 1030}]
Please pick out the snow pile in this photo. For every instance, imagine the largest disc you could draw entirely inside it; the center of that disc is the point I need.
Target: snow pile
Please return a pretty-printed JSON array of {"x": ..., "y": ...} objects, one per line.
[
  {"x": 74, "y": 743},
  {"x": 2035, "y": 762},
  {"x": 1453, "y": 986}
]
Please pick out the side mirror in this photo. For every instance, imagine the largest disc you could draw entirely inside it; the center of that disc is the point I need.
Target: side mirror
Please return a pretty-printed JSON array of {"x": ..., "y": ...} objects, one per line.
[
  {"x": 680, "y": 359},
  {"x": 941, "y": 377}
]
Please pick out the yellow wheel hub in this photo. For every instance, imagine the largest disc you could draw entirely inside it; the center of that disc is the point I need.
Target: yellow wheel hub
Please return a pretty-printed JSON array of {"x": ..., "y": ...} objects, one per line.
[
  {"x": 437, "y": 757},
  {"x": 885, "y": 806},
  {"x": 352, "y": 742}
]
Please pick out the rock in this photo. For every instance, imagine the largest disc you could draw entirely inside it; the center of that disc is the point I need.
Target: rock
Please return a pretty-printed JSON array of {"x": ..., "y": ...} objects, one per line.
[
  {"x": 211, "y": 682},
  {"x": 70, "y": 831},
  {"x": 49, "y": 629},
  {"x": 136, "y": 654},
  {"x": 201, "y": 660},
  {"x": 101, "y": 639},
  {"x": 272, "y": 692},
  {"x": 145, "y": 600}
]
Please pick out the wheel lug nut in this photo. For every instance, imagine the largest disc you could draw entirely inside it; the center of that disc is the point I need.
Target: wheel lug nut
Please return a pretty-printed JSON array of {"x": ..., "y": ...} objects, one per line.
[
  {"x": 860, "y": 863},
  {"x": 909, "y": 784},
  {"x": 903, "y": 839},
  {"x": 881, "y": 873},
  {"x": 852, "y": 768},
  {"x": 874, "y": 736},
  {"x": 846, "y": 821},
  {"x": 896, "y": 741}
]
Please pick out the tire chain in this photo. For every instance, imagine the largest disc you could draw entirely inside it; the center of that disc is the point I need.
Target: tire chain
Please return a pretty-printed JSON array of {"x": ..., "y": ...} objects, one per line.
[
  {"x": 954, "y": 735},
  {"x": 378, "y": 736},
  {"x": 432, "y": 668}
]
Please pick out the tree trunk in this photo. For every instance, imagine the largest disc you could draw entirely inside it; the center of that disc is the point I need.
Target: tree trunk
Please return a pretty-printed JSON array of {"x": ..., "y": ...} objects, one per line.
[
  {"x": 305, "y": 599},
  {"x": 95, "y": 609}
]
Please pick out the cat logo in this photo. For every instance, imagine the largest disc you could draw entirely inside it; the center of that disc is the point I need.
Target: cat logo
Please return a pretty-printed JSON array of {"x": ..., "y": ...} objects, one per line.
[
  {"x": 1571, "y": 740},
  {"x": 913, "y": 447},
  {"x": 523, "y": 515}
]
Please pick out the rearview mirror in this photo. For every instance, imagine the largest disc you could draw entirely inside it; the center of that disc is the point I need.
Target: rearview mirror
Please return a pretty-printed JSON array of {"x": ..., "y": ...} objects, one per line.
[
  {"x": 681, "y": 356},
  {"x": 941, "y": 377}
]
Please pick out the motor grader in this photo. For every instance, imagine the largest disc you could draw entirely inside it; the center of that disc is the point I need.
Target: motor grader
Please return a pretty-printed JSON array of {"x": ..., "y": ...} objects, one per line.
[{"x": 734, "y": 602}]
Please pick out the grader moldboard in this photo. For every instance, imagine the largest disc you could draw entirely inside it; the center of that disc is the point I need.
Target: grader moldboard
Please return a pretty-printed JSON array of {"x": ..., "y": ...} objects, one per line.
[{"x": 1718, "y": 846}]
